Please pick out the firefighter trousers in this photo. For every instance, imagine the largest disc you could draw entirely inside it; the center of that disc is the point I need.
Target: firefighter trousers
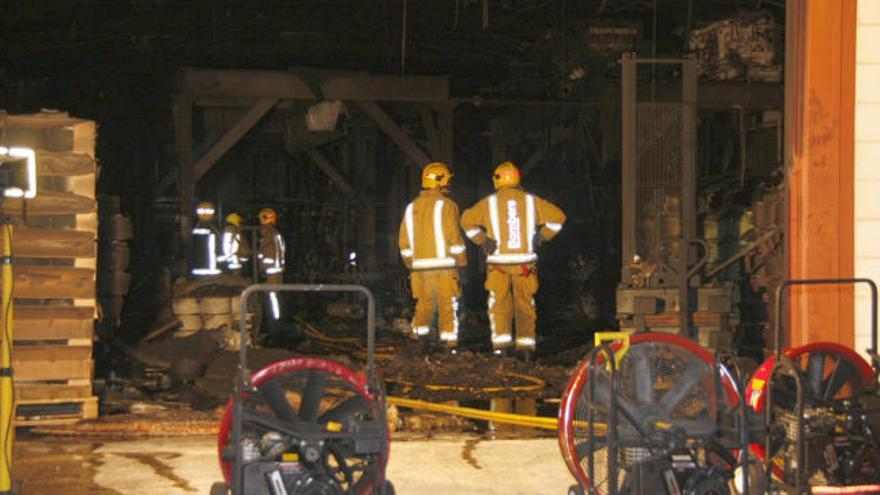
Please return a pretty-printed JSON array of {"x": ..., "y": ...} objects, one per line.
[
  {"x": 436, "y": 290},
  {"x": 511, "y": 296}
]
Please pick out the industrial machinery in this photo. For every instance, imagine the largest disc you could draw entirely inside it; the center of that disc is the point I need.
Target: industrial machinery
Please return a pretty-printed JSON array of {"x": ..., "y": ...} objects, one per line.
[
  {"x": 659, "y": 186},
  {"x": 305, "y": 426},
  {"x": 651, "y": 413},
  {"x": 822, "y": 410}
]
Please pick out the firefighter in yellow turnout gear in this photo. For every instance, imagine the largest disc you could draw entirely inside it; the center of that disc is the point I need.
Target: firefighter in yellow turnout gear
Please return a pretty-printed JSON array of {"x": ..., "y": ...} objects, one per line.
[
  {"x": 509, "y": 226},
  {"x": 432, "y": 248},
  {"x": 234, "y": 252},
  {"x": 271, "y": 256},
  {"x": 204, "y": 242}
]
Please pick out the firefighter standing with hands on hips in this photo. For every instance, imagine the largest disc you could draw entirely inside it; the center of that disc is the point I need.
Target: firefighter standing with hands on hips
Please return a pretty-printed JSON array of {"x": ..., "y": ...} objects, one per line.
[
  {"x": 509, "y": 226},
  {"x": 432, "y": 248},
  {"x": 204, "y": 242},
  {"x": 271, "y": 255}
]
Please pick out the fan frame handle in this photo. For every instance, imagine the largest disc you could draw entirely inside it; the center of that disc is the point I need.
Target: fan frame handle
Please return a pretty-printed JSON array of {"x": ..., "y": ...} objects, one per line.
[
  {"x": 780, "y": 294},
  {"x": 243, "y": 382}
]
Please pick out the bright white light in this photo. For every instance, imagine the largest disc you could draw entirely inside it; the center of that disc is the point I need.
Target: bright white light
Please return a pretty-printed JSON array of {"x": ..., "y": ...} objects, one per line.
[
  {"x": 31, "y": 158},
  {"x": 352, "y": 258}
]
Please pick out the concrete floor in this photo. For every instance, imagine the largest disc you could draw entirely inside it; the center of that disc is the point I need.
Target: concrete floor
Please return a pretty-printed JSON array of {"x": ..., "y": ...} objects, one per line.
[{"x": 459, "y": 464}]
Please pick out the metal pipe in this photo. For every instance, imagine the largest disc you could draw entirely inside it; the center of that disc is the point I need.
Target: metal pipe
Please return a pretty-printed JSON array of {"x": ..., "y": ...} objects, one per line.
[
  {"x": 611, "y": 427},
  {"x": 823, "y": 281},
  {"x": 743, "y": 410},
  {"x": 742, "y": 252},
  {"x": 785, "y": 366}
]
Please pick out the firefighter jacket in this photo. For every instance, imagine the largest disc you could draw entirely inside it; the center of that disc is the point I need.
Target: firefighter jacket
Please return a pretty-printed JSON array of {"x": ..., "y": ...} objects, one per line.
[
  {"x": 233, "y": 251},
  {"x": 429, "y": 238},
  {"x": 204, "y": 244},
  {"x": 271, "y": 253},
  {"x": 511, "y": 217}
]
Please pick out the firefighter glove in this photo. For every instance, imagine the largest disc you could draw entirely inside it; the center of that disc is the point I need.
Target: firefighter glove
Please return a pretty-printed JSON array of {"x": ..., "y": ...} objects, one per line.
[
  {"x": 537, "y": 240},
  {"x": 489, "y": 246}
]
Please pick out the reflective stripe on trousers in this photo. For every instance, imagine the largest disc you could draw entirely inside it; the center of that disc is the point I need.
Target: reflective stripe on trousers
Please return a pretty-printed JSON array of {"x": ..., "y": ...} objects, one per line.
[
  {"x": 436, "y": 292},
  {"x": 276, "y": 308},
  {"x": 511, "y": 299}
]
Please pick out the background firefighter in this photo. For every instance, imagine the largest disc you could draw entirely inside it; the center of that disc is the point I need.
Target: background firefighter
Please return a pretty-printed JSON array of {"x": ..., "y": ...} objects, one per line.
[
  {"x": 509, "y": 226},
  {"x": 271, "y": 256},
  {"x": 432, "y": 248},
  {"x": 204, "y": 242},
  {"x": 234, "y": 253}
]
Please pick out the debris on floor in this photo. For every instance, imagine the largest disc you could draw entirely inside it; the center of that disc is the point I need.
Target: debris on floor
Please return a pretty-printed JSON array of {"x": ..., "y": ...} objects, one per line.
[{"x": 172, "y": 423}]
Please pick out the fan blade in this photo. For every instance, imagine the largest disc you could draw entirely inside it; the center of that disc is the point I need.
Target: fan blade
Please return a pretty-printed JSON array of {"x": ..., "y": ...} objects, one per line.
[
  {"x": 368, "y": 476},
  {"x": 344, "y": 410},
  {"x": 313, "y": 393},
  {"x": 582, "y": 449},
  {"x": 815, "y": 372},
  {"x": 841, "y": 375},
  {"x": 692, "y": 375},
  {"x": 273, "y": 394},
  {"x": 342, "y": 463},
  {"x": 643, "y": 373},
  {"x": 627, "y": 409},
  {"x": 695, "y": 428}
]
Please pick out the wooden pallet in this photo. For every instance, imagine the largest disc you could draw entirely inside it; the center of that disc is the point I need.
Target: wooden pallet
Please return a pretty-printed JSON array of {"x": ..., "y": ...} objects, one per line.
[
  {"x": 62, "y": 389},
  {"x": 54, "y": 250},
  {"x": 60, "y": 411}
]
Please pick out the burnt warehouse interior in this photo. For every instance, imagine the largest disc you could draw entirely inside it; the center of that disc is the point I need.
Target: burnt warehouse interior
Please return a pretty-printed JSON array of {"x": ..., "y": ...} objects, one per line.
[{"x": 510, "y": 180}]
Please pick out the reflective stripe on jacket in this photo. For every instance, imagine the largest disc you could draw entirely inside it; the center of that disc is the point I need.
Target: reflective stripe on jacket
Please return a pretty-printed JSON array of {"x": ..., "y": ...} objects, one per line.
[
  {"x": 231, "y": 252},
  {"x": 511, "y": 217},
  {"x": 271, "y": 250},
  {"x": 204, "y": 242},
  {"x": 429, "y": 237}
]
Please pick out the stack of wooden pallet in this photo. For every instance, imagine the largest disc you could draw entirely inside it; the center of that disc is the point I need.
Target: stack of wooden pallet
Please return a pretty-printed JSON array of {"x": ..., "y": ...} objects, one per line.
[{"x": 54, "y": 263}]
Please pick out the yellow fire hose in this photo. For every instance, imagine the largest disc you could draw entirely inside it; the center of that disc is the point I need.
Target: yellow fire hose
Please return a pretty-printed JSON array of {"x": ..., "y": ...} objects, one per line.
[
  {"x": 469, "y": 412},
  {"x": 536, "y": 384},
  {"x": 7, "y": 431}
]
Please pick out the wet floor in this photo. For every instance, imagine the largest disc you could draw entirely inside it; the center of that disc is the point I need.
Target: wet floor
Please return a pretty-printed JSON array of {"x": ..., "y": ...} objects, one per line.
[
  {"x": 71, "y": 465},
  {"x": 461, "y": 464}
]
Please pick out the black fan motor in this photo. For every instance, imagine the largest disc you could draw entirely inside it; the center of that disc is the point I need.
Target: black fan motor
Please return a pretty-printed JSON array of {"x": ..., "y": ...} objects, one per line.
[{"x": 287, "y": 478}]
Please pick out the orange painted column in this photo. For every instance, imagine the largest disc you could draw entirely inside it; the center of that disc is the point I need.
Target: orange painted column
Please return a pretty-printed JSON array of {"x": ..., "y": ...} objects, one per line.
[{"x": 820, "y": 116}]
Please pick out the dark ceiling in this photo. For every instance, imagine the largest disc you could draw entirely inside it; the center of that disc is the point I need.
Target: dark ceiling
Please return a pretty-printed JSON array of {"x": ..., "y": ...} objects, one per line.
[
  {"x": 469, "y": 39},
  {"x": 111, "y": 60}
]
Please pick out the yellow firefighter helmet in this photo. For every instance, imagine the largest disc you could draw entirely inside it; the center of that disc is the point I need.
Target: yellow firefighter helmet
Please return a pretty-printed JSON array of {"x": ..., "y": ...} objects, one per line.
[
  {"x": 506, "y": 175},
  {"x": 267, "y": 216},
  {"x": 234, "y": 219},
  {"x": 205, "y": 211},
  {"x": 436, "y": 175}
]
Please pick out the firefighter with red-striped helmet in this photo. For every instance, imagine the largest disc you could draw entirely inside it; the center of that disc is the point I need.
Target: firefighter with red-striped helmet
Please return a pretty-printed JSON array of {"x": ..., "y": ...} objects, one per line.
[
  {"x": 509, "y": 225},
  {"x": 432, "y": 248},
  {"x": 271, "y": 255}
]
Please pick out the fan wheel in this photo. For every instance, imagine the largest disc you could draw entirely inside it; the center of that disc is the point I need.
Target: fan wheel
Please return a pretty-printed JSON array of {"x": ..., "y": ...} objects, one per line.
[
  {"x": 831, "y": 372},
  {"x": 662, "y": 379},
  {"x": 313, "y": 393}
]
